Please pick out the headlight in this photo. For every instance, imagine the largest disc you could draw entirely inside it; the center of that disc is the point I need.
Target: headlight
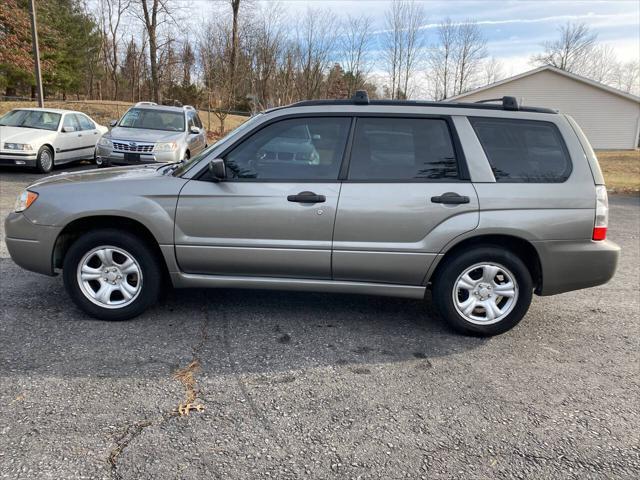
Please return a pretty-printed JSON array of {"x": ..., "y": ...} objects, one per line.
[
  {"x": 24, "y": 200},
  {"x": 105, "y": 142},
  {"x": 165, "y": 147},
  {"x": 18, "y": 146}
]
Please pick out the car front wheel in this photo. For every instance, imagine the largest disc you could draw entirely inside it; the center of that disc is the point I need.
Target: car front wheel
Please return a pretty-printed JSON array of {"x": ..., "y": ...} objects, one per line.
[
  {"x": 44, "y": 161},
  {"x": 112, "y": 275},
  {"x": 485, "y": 291}
]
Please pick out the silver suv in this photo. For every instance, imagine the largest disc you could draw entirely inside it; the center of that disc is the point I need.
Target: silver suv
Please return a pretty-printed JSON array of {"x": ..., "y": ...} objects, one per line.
[
  {"x": 483, "y": 204},
  {"x": 150, "y": 133}
]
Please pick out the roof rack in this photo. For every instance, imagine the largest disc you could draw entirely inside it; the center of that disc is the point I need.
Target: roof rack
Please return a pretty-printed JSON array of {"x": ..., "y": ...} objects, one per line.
[
  {"x": 508, "y": 103},
  {"x": 188, "y": 107},
  {"x": 145, "y": 104},
  {"x": 362, "y": 98}
]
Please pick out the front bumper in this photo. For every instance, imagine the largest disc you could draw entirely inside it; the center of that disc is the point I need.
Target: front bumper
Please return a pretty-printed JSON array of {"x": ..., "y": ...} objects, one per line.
[
  {"x": 18, "y": 159},
  {"x": 106, "y": 157},
  {"x": 572, "y": 265},
  {"x": 30, "y": 245}
]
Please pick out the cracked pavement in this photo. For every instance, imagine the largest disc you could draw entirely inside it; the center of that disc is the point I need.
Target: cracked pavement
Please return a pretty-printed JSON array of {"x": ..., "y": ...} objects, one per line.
[{"x": 299, "y": 385}]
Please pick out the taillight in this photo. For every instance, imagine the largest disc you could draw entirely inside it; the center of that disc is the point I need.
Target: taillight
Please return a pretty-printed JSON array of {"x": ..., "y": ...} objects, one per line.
[{"x": 602, "y": 213}]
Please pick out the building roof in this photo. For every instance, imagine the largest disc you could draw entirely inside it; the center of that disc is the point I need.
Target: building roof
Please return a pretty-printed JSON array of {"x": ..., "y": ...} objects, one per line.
[{"x": 550, "y": 68}]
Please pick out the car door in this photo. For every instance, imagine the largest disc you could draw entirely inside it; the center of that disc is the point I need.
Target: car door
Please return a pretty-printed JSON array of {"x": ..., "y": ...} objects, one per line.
[
  {"x": 89, "y": 136},
  {"x": 195, "y": 141},
  {"x": 274, "y": 213},
  {"x": 403, "y": 199},
  {"x": 68, "y": 139}
]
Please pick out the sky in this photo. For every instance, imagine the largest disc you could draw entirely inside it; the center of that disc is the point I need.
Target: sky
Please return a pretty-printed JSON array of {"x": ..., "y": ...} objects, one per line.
[{"x": 514, "y": 30}]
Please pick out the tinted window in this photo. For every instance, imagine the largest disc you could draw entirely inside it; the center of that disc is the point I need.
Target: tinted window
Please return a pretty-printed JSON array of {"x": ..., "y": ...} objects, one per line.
[
  {"x": 197, "y": 121},
  {"x": 153, "y": 119},
  {"x": 296, "y": 149},
  {"x": 523, "y": 150},
  {"x": 85, "y": 123},
  {"x": 402, "y": 149},
  {"x": 191, "y": 120}
]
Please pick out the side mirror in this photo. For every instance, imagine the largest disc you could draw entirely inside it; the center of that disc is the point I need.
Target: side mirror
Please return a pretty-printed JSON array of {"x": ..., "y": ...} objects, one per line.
[
  {"x": 195, "y": 130},
  {"x": 113, "y": 123},
  {"x": 68, "y": 129},
  {"x": 217, "y": 170}
]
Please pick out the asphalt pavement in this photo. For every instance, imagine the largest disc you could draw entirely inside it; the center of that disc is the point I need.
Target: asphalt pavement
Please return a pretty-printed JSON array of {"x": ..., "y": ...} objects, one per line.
[{"x": 321, "y": 386}]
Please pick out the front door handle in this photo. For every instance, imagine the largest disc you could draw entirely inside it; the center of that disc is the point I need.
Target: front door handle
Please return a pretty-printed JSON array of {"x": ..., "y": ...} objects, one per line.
[
  {"x": 450, "y": 198},
  {"x": 307, "y": 197}
]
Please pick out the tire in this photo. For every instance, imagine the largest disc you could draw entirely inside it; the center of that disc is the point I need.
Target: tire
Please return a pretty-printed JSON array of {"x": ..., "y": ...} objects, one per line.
[
  {"x": 44, "y": 161},
  {"x": 470, "y": 280},
  {"x": 133, "y": 271}
]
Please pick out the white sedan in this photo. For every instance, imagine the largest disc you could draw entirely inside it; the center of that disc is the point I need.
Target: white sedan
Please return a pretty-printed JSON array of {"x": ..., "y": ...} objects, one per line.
[{"x": 44, "y": 137}]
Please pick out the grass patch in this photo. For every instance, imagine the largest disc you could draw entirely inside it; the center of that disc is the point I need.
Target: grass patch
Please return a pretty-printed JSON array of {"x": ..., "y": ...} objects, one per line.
[{"x": 621, "y": 170}]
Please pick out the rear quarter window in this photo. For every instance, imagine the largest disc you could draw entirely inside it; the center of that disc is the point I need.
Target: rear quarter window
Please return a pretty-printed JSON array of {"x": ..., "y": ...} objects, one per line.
[{"x": 523, "y": 151}]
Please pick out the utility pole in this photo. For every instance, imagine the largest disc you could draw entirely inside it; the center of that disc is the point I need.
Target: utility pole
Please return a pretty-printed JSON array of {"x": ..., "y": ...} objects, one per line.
[{"x": 36, "y": 52}]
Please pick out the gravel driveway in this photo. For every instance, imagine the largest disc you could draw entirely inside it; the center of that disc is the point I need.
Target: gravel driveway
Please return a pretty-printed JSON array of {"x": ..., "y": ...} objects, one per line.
[{"x": 298, "y": 385}]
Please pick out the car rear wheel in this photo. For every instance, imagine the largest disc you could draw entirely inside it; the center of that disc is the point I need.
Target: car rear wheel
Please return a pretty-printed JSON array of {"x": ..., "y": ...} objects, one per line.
[
  {"x": 112, "y": 275},
  {"x": 485, "y": 291},
  {"x": 44, "y": 161}
]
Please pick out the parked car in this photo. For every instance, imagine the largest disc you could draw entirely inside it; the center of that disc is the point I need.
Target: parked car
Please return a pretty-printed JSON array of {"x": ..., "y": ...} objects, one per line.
[
  {"x": 151, "y": 133},
  {"x": 484, "y": 204},
  {"x": 45, "y": 137}
]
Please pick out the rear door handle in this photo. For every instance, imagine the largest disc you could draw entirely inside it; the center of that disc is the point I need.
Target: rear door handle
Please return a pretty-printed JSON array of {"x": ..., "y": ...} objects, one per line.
[
  {"x": 307, "y": 197},
  {"x": 450, "y": 198}
]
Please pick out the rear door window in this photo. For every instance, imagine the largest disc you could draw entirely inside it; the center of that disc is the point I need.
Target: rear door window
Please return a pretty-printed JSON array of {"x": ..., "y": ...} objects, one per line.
[
  {"x": 523, "y": 151},
  {"x": 85, "y": 123},
  {"x": 402, "y": 149},
  {"x": 70, "y": 120}
]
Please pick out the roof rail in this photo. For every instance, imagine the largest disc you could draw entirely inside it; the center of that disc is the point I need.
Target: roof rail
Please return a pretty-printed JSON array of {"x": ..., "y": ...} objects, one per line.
[
  {"x": 188, "y": 107},
  {"x": 508, "y": 103},
  {"x": 143, "y": 104}
]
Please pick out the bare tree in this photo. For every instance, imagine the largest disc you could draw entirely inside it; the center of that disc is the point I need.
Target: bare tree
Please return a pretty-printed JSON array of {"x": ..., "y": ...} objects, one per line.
[
  {"x": 627, "y": 77},
  {"x": 111, "y": 16},
  {"x": 455, "y": 59},
  {"x": 600, "y": 65},
  {"x": 354, "y": 44},
  {"x": 316, "y": 41},
  {"x": 441, "y": 60},
  {"x": 471, "y": 50},
  {"x": 267, "y": 46},
  {"x": 493, "y": 71},
  {"x": 154, "y": 14},
  {"x": 402, "y": 42},
  {"x": 571, "y": 51}
]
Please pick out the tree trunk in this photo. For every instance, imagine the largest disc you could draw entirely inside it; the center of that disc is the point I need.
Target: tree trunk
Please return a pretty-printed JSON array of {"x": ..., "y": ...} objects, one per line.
[{"x": 153, "y": 60}]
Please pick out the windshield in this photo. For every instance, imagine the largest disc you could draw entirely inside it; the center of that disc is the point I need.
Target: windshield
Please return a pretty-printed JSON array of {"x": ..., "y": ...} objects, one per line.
[
  {"x": 40, "y": 119},
  {"x": 184, "y": 166},
  {"x": 166, "y": 120}
]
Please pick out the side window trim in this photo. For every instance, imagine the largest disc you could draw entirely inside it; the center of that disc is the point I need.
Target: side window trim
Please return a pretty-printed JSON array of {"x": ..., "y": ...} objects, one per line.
[
  {"x": 203, "y": 172},
  {"x": 463, "y": 170}
]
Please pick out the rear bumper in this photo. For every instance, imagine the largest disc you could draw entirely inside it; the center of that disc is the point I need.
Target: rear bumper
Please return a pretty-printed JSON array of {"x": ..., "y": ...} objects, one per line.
[
  {"x": 572, "y": 265},
  {"x": 30, "y": 245}
]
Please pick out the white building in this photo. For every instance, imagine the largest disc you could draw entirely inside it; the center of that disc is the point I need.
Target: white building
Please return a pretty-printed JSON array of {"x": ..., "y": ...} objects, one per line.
[{"x": 609, "y": 117}]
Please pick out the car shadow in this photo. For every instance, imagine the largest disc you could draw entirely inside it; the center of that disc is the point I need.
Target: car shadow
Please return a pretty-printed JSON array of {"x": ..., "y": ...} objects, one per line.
[{"x": 226, "y": 331}]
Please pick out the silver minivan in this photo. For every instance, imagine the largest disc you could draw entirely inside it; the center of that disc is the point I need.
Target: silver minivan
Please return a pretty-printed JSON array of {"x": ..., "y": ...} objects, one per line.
[{"x": 483, "y": 204}]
